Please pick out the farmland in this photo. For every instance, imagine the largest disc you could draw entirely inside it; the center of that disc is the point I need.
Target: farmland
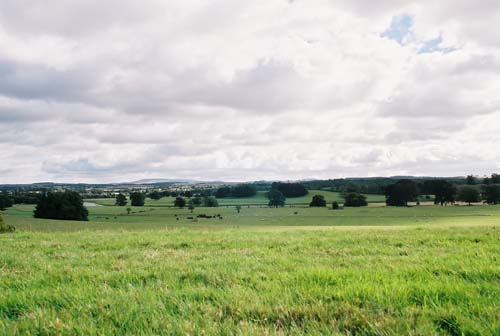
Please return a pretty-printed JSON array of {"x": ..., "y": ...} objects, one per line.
[
  {"x": 259, "y": 199},
  {"x": 295, "y": 270}
]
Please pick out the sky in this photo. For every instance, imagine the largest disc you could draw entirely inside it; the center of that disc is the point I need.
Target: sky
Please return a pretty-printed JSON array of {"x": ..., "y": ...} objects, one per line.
[{"x": 121, "y": 90}]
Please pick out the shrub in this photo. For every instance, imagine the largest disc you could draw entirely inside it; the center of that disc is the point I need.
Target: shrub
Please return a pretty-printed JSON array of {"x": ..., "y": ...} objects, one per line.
[{"x": 4, "y": 228}]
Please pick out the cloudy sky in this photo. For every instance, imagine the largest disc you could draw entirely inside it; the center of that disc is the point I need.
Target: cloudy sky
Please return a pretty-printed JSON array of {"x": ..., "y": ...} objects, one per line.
[{"x": 120, "y": 90}]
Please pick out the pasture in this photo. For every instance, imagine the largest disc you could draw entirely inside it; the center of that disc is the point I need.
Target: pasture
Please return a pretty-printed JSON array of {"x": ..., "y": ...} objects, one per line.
[
  {"x": 424, "y": 270},
  {"x": 259, "y": 199}
]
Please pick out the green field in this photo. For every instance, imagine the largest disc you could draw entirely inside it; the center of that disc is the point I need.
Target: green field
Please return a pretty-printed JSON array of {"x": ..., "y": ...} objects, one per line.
[
  {"x": 260, "y": 198},
  {"x": 425, "y": 270}
]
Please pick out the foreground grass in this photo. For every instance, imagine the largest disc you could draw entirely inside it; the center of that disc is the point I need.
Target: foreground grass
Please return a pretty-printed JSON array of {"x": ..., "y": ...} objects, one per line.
[{"x": 368, "y": 281}]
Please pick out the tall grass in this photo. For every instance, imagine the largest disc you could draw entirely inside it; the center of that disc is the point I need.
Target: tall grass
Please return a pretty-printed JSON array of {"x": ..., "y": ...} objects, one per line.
[{"x": 415, "y": 280}]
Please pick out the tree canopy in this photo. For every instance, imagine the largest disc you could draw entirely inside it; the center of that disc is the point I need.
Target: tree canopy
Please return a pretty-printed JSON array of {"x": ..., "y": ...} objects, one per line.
[
  {"x": 137, "y": 199},
  {"x": 443, "y": 191},
  {"x": 355, "y": 200},
  {"x": 121, "y": 200},
  {"x": 290, "y": 190},
  {"x": 276, "y": 198},
  {"x": 491, "y": 194},
  {"x": 469, "y": 194},
  {"x": 210, "y": 202},
  {"x": 5, "y": 201},
  {"x": 238, "y": 191},
  {"x": 401, "y": 192},
  {"x": 180, "y": 202},
  {"x": 318, "y": 201},
  {"x": 66, "y": 205}
]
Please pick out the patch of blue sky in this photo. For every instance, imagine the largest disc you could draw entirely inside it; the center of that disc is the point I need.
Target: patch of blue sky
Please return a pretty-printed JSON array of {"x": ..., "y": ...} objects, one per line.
[
  {"x": 400, "y": 28},
  {"x": 434, "y": 45}
]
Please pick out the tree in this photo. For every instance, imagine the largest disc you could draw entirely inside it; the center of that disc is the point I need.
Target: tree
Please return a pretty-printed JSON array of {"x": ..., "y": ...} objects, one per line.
[
  {"x": 335, "y": 205},
  {"x": 129, "y": 210},
  {"x": 243, "y": 190},
  {"x": 5, "y": 202},
  {"x": 210, "y": 202},
  {"x": 495, "y": 179},
  {"x": 355, "y": 200},
  {"x": 4, "y": 228},
  {"x": 491, "y": 194},
  {"x": 469, "y": 195},
  {"x": 137, "y": 199},
  {"x": 191, "y": 205},
  {"x": 180, "y": 202},
  {"x": 66, "y": 205},
  {"x": 443, "y": 191},
  {"x": 290, "y": 189},
  {"x": 155, "y": 195},
  {"x": 276, "y": 198},
  {"x": 401, "y": 192},
  {"x": 470, "y": 180},
  {"x": 197, "y": 201},
  {"x": 121, "y": 200},
  {"x": 187, "y": 193},
  {"x": 318, "y": 201},
  {"x": 238, "y": 208},
  {"x": 223, "y": 192}
]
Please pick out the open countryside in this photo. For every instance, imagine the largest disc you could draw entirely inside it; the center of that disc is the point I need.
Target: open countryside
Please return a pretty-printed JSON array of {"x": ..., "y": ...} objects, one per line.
[{"x": 244, "y": 267}]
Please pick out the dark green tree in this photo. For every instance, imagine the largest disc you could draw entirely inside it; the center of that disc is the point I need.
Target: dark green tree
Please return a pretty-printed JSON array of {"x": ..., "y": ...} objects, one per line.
[
  {"x": 335, "y": 205},
  {"x": 137, "y": 199},
  {"x": 197, "y": 201},
  {"x": 223, "y": 192},
  {"x": 470, "y": 180},
  {"x": 155, "y": 195},
  {"x": 5, "y": 202},
  {"x": 318, "y": 201},
  {"x": 443, "y": 191},
  {"x": 491, "y": 194},
  {"x": 355, "y": 200},
  {"x": 121, "y": 200},
  {"x": 290, "y": 189},
  {"x": 276, "y": 198},
  {"x": 191, "y": 205},
  {"x": 210, "y": 202},
  {"x": 66, "y": 205},
  {"x": 401, "y": 192},
  {"x": 243, "y": 190},
  {"x": 469, "y": 195},
  {"x": 495, "y": 179},
  {"x": 180, "y": 202}
]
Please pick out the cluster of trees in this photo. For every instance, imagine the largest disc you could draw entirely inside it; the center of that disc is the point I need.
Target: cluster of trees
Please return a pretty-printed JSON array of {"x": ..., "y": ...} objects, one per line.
[
  {"x": 5, "y": 201},
  {"x": 238, "y": 191},
  {"x": 66, "y": 205},
  {"x": 404, "y": 191},
  {"x": 207, "y": 201},
  {"x": 290, "y": 190}
]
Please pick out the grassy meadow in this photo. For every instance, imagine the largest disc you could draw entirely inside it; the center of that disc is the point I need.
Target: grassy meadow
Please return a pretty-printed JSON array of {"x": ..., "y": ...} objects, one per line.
[
  {"x": 425, "y": 270},
  {"x": 259, "y": 199}
]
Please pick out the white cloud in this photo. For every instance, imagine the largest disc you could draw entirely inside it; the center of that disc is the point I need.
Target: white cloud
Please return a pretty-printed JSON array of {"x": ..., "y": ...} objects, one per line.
[{"x": 122, "y": 90}]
